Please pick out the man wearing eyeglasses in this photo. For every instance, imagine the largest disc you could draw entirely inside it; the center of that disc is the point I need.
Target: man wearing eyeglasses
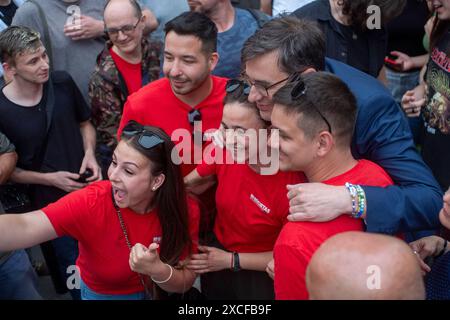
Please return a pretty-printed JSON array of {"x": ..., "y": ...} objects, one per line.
[
  {"x": 285, "y": 46},
  {"x": 75, "y": 33},
  {"x": 127, "y": 63},
  {"x": 188, "y": 95}
]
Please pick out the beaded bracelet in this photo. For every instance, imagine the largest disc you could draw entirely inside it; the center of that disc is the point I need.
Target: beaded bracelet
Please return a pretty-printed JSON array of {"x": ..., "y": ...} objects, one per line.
[
  {"x": 168, "y": 278},
  {"x": 352, "y": 191},
  {"x": 358, "y": 200},
  {"x": 361, "y": 202}
]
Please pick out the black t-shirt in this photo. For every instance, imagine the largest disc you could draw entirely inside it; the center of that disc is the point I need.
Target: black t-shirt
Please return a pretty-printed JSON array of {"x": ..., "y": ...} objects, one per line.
[
  {"x": 365, "y": 52},
  {"x": 357, "y": 47},
  {"x": 7, "y": 13},
  {"x": 436, "y": 139},
  {"x": 30, "y": 120},
  {"x": 26, "y": 127},
  {"x": 405, "y": 32}
]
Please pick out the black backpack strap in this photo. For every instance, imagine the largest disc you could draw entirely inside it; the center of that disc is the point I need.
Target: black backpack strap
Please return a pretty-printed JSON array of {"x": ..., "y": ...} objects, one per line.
[
  {"x": 260, "y": 17},
  {"x": 47, "y": 42}
]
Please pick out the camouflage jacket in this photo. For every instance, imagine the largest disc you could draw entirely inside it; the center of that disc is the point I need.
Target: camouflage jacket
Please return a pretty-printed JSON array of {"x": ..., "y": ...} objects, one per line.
[{"x": 108, "y": 90}]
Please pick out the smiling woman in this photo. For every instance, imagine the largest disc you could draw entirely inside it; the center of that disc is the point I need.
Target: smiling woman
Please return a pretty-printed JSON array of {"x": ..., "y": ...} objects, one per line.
[{"x": 136, "y": 227}]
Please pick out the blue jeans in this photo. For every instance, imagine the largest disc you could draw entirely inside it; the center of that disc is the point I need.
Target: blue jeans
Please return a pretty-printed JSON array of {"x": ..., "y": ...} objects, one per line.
[
  {"x": 66, "y": 250},
  {"x": 88, "y": 294},
  {"x": 398, "y": 84},
  {"x": 18, "y": 281}
]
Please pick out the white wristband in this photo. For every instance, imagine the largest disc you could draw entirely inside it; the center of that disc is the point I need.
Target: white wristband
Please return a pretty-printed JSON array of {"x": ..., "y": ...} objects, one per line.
[{"x": 168, "y": 278}]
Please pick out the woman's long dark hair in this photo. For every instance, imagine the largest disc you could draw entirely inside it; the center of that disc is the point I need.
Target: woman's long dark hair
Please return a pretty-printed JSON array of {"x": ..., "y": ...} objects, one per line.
[
  {"x": 440, "y": 29},
  {"x": 170, "y": 199}
]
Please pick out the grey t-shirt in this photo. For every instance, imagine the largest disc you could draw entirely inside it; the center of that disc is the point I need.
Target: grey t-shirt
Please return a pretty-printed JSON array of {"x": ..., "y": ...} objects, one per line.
[
  {"x": 5, "y": 147},
  {"x": 78, "y": 58}
]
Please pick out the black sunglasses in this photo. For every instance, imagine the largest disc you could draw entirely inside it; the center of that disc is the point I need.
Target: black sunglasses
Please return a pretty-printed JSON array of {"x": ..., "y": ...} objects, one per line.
[
  {"x": 234, "y": 84},
  {"x": 147, "y": 139},
  {"x": 299, "y": 90}
]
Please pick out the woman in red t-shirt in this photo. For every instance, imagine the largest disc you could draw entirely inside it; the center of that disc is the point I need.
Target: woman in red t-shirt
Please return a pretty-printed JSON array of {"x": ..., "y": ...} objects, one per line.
[
  {"x": 251, "y": 204},
  {"x": 135, "y": 227}
]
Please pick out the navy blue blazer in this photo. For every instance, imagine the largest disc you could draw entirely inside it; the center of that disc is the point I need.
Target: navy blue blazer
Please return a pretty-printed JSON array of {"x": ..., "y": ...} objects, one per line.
[{"x": 382, "y": 135}]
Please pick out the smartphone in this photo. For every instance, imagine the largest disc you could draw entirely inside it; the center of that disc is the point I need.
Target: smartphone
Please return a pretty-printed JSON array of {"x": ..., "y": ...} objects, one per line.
[
  {"x": 391, "y": 61},
  {"x": 85, "y": 175}
]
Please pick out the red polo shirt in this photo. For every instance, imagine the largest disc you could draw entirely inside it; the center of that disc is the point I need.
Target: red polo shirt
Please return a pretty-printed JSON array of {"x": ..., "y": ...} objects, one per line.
[
  {"x": 299, "y": 240},
  {"x": 157, "y": 105},
  {"x": 251, "y": 208},
  {"x": 89, "y": 216}
]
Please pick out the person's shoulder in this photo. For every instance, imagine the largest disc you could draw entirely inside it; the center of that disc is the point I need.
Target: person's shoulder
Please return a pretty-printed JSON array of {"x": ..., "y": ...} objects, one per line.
[
  {"x": 155, "y": 89},
  {"x": 60, "y": 76},
  {"x": 360, "y": 83},
  {"x": 312, "y": 9},
  {"x": 373, "y": 173},
  {"x": 252, "y": 17},
  {"x": 98, "y": 192},
  {"x": 219, "y": 83},
  {"x": 25, "y": 14}
]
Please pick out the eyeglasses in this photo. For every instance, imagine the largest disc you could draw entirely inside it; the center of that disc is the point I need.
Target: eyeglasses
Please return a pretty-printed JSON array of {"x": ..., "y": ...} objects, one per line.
[
  {"x": 147, "y": 140},
  {"x": 234, "y": 84},
  {"x": 126, "y": 29},
  {"x": 193, "y": 116},
  {"x": 299, "y": 90},
  {"x": 264, "y": 90}
]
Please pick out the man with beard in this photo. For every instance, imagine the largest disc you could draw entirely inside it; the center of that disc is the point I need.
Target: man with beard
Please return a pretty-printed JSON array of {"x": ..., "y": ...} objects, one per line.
[{"x": 188, "y": 92}]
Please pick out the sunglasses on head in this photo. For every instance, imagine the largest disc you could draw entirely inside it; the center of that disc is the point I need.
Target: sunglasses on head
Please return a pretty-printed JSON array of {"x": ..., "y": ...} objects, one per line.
[
  {"x": 299, "y": 90},
  {"x": 234, "y": 84},
  {"x": 147, "y": 139}
]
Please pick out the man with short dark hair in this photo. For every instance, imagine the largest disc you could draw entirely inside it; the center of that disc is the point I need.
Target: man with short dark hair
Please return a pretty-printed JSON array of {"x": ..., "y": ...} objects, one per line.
[
  {"x": 189, "y": 92},
  {"x": 45, "y": 116},
  {"x": 127, "y": 63},
  {"x": 287, "y": 45},
  {"x": 315, "y": 116}
]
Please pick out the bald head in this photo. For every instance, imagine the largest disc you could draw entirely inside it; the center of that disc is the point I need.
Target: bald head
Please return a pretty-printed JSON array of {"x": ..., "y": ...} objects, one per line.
[
  {"x": 121, "y": 5},
  {"x": 364, "y": 266}
]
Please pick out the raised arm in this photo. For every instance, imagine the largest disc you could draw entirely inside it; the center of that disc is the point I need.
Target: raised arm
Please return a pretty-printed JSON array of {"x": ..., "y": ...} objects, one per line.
[{"x": 19, "y": 231}]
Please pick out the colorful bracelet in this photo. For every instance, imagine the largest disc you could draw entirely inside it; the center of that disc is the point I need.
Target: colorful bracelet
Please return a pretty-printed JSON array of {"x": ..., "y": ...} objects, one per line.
[
  {"x": 361, "y": 202},
  {"x": 358, "y": 200},
  {"x": 352, "y": 191}
]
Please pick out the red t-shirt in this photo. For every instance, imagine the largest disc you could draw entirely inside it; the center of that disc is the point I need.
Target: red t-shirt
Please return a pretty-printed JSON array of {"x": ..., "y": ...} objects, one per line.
[
  {"x": 131, "y": 72},
  {"x": 89, "y": 216},
  {"x": 299, "y": 240},
  {"x": 251, "y": 208},
  {"x": 157, "y": 105}
]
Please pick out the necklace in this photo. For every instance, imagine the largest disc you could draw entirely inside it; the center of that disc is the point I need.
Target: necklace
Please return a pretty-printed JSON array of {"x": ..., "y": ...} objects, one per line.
[{"x": 127, "y": 240}]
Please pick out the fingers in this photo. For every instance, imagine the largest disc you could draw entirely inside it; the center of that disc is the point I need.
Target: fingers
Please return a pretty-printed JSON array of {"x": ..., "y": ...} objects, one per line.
[
  {"x": 153, "y": 247},
  {"x": 204, "y": 248}
]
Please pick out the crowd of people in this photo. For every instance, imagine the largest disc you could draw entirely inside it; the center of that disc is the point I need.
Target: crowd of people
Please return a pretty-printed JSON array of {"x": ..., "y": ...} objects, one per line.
[{"x": 219, "y": 149}]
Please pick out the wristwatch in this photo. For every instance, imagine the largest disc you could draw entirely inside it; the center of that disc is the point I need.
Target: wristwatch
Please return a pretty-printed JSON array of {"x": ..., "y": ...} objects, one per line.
[{"x": 236, "y": 264}]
